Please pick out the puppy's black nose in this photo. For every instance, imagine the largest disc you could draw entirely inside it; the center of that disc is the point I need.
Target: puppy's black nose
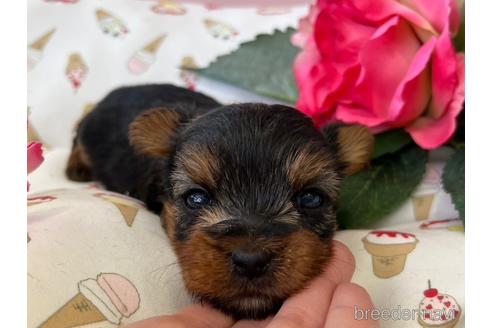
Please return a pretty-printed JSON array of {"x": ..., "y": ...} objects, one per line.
[{"x": 250, "y": 264}]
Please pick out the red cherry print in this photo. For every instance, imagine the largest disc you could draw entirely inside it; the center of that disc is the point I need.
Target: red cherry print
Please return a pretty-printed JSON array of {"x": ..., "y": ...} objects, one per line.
[
  {"x": 448, "y": 304},
  {"x": 440, "y": 297},
  {"x": 429, "y": 307},
  {"x": 392, "y": 234},
  {"x": 46, "y": 198},
  {"x": 431, "y": 292}
]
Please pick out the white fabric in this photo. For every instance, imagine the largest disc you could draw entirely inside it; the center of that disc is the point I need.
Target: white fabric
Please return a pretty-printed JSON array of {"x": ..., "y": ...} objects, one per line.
[
  {"x": 78, "y": 235},
  {"x": 102, "y": 59}
]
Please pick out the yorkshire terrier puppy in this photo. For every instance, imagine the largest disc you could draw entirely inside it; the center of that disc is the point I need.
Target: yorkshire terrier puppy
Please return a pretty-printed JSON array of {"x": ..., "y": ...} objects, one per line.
[{"x": 247, "y": 192}]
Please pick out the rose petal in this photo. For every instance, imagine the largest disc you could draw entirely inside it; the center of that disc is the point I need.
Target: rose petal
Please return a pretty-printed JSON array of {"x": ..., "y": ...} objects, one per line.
[
  {"x": 444, "y": 77},
  {"x": 366, "y": 64},
  {"x": 437, "y": 12},
  {"x": 34, "y": 156},
  {"x": 314, "y": 94},
  {"x": 384, "y": 60},
  {"x": 414, "y": 91},
  {"x": 382, "y": 10},
  {"x": 307, "y": 71},
  {"x": 339, "y": 34},
  {"x": 305, "y": 29},
  {"x": 318, "y": 82},
  {"x": 355, "y": 113},
  {"x": 430, "y": 133}
]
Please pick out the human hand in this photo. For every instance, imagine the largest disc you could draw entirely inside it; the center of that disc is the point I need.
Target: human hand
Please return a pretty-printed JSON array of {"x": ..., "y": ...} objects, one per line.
[{"x": 328, "y": 301}]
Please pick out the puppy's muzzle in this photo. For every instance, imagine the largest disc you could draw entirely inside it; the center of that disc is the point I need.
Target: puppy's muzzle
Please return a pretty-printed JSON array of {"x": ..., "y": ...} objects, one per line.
[{"x": 250, "y": 264}]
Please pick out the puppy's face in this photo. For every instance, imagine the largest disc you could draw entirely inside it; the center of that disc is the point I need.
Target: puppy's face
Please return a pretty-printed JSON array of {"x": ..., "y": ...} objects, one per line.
[{"x": 251, "y": 202}]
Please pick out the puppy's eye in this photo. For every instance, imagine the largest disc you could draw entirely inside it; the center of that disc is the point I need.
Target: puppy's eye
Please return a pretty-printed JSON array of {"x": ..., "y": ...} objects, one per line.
[
  {"x": 196, "y": 198},
  {"x": 310, "y": 199}
]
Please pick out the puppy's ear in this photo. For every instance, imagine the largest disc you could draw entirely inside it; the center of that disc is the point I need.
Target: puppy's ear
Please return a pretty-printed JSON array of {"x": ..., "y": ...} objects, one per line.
[
  {"x": 153, "y": 131},
  {"x": 355, "y": 145}
]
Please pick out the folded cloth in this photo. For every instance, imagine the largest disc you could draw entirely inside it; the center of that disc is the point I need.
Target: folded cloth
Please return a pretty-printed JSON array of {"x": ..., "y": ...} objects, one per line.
[{"x": 99, "y": 257}]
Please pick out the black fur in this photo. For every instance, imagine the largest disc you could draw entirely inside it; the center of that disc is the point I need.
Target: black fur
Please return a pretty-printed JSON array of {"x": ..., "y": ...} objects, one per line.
[
  {"x": 253, "y": 146},
  {"x": 252, "y": 143},
  {"x": 104, "y": 135}
]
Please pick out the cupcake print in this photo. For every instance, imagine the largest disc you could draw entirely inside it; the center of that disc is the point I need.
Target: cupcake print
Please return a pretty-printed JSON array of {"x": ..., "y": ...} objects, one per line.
[{"x": 389, "y": 250}]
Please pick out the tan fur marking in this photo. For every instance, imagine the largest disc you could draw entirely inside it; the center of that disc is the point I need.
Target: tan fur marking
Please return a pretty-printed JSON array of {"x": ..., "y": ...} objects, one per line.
[
  {"x": 288, "y": 214},
  {"x": 213, "y": 215},
  {"x": 79, "y": 165},
  {"x": 151, "y": 132},
  {"x": 199, "y": 164},
  {"x": 298, "y": 258},
  {"x": 307, "y": 167},
  {"x": 356, "y": 147}
]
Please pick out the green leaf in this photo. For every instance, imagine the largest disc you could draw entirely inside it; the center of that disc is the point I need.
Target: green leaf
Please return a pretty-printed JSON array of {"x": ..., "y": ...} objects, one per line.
[
  {"x": 454, "y": 180},
  {"x": 263, "y": 66},
  {"x": 390, "y": 142},
  {"x": 372, "y": 194}
]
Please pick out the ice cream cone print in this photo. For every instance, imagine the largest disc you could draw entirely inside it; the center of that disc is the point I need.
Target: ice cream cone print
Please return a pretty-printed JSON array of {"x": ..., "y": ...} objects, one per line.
[
  {"x": 36, "y": 48},
  {"x": 219, "y": 29},
  {"x": 32, "y": 135},
  {"x": 188, "y": 62},
  {"x": 76, "y": 70},
  {"x": 437, "y": 310},
  {"x": 129, "y": 212},
  {"x": 40, "y": 43},
  {"x": 109, "y": 297},
  {"x": 102, "y": 14},
  {"x": 110, "y": 24},
  {"x": 76, "y": 312},
  {"x": 169, "y": 7},
  {"x": 422, "y": 205},
  {"x": 188, "y": 77},
  {"x": 154, "y": 45},
  {"x": 128, "y": 207},
  {"x": 31, "y": 201},
  {"x": 450, "y": 224},
  {"x": 389, "y": 250},
  {"x": 431, "y": 184},
  {"x": 141, "y": 61}
]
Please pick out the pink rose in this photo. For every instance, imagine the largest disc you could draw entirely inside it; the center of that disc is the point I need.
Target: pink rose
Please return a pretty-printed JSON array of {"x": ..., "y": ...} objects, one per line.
[
  {"x": 383, "y": 63},
  {"x": 34, "y": 157}
]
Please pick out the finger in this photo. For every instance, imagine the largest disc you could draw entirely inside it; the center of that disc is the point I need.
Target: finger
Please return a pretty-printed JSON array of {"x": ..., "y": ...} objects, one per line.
[
  {"x": 347, "y": 299},
  {"x": 194, "y": 316},
  {"x": 309, "y": 307},
  {"x": 252, "y": 323}
]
